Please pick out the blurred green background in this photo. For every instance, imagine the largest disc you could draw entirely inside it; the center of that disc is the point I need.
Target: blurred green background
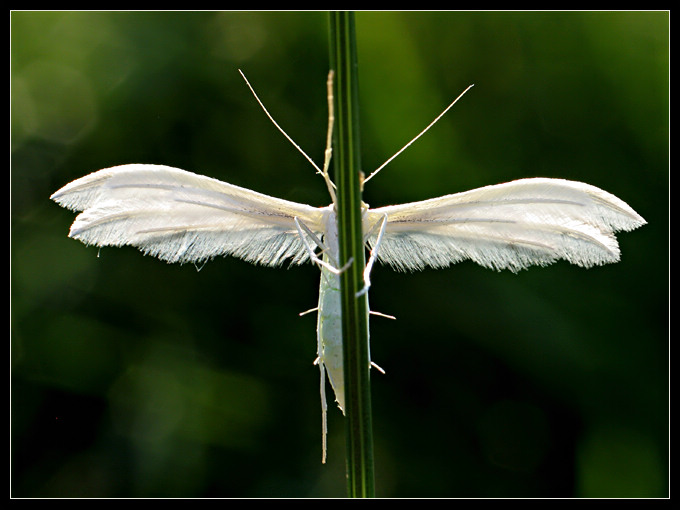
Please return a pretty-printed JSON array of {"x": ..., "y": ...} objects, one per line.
[{"x": 132, "y": 377}]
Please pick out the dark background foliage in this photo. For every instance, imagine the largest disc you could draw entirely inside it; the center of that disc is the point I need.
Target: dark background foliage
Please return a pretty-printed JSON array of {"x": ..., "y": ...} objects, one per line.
[{"x": 131, "y": 377}]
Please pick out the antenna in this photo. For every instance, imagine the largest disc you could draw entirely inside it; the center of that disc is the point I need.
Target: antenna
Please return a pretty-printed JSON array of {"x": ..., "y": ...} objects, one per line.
[
  {"x": 418, "y": 135},
  {"x": 328, "y": 151},
  {"x": 279, "y": 127}
]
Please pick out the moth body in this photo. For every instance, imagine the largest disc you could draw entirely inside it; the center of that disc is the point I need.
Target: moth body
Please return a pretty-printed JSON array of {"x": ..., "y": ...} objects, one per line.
[{"x": 329, "y": 320}]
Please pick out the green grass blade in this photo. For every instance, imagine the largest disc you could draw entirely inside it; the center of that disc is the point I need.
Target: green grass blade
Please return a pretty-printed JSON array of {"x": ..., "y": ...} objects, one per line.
[{"x": 347, "y": 161}]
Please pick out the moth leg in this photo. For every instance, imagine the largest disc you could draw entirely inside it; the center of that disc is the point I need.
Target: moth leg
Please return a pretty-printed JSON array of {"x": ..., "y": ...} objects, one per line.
[
  {"x": 372, "y": 312},
  {"x": 329, "y": 139},
  {"x": 324, "y": 408},
  {"x": 377, "y": 367},
  {"x": 312, "y": 255},
  {"x": 373, "y": 256}
]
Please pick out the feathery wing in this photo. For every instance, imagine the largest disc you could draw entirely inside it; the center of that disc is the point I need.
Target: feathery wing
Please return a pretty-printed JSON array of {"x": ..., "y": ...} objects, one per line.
[
  {"x": 179, "y": 216},
  {"x": 506, "y": 226}
]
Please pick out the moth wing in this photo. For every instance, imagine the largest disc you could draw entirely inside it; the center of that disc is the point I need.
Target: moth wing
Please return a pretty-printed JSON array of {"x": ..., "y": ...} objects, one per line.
[
  {"x": 179, "y": 216},
  {"x": 506, "y": 226}
]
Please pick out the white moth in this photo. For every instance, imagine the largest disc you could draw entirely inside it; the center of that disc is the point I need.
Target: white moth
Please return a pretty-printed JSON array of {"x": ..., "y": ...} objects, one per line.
[{"x": 179, "y": 216}]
